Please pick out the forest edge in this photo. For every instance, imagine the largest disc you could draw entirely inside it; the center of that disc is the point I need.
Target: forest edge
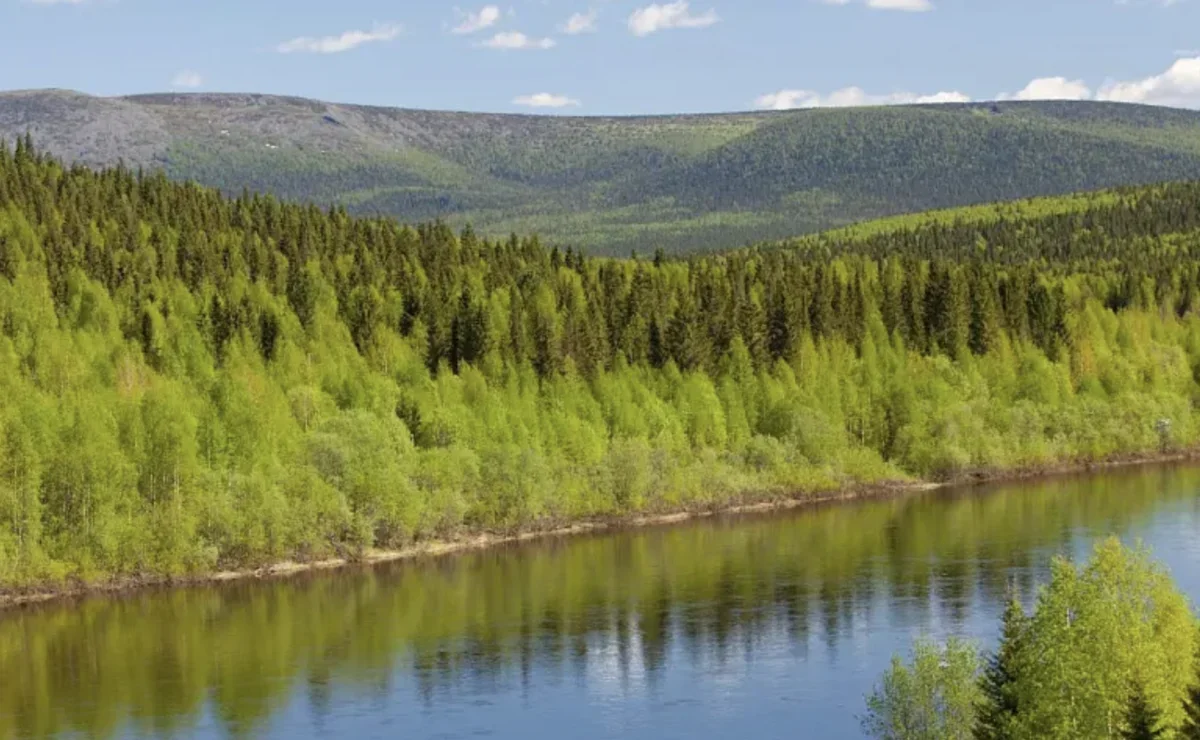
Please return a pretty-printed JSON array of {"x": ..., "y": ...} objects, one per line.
[{"x": 474, "y": 541}]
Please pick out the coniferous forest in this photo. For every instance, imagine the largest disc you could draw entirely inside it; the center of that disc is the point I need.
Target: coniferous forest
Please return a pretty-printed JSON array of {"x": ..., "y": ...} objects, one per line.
[{"x": 191, "y": 382}]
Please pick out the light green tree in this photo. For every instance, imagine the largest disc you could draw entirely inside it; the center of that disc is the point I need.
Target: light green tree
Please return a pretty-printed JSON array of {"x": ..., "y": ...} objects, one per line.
[
  {"x": 1098, "y": 629},
  {"x": 933, "y": 697}
]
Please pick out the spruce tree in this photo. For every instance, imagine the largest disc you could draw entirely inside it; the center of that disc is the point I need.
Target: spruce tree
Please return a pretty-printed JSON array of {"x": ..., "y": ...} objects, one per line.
[
  {"x": 686, "y": 341},
  {"x": 1000, "y": 676},
  {"x": 780, "y": 328},
  {"x": 1191, "y": 723},
  {"x": 1142, "y": 721}
]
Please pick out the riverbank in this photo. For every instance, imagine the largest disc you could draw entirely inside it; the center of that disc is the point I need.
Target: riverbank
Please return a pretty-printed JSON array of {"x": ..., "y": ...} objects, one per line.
[{"x": 483, "y": 540}]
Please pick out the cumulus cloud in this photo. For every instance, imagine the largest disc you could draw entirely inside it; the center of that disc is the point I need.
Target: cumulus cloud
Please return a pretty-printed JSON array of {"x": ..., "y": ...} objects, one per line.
[
  {"x": 944, "y": 97},
  {"x": 1051, "y": 88},
  {"x": 850, "y": 97},
  {"x": 515, "y": 40},
  {"x": 1179, "y": 86},
  {"x": 654, "y": 18},
  {"x": 908, "y": 6},
  {"x": 337, "y": 44},
  {"x": 546, "y": 100},
  {"x": 581, "y": 23},
  {"x": 187, "y": 78},
  {"x": 485, "y": 17}
]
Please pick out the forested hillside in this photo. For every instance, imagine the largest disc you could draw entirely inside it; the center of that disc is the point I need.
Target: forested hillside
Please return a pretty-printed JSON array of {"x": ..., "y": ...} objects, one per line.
[
  {"x": 190, "y": 382},
  {"x": 615, "y": 185}
]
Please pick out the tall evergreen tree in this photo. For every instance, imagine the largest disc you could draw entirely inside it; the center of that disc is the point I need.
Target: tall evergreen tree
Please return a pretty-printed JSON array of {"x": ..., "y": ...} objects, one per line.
[
  {"x": 1191, "y": 723},
  {"x": 686, "y": 340},
  {"x": 1142, "y": 721},
  {"x": 1000, "y": 676}
]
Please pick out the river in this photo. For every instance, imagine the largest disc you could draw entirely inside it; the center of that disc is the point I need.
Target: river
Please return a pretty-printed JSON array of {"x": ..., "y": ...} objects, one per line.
[{"x": 763, "y": 626}]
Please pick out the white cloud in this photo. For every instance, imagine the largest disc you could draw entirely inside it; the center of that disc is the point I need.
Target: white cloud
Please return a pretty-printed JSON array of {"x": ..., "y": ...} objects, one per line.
[
  {"x": 1179, "y": 86},
  {"x": 486, "y": 17},
  {"x": 337, "y": 44},
  {"x": 850, "y": 97},
  {"x": 909, "y": 6},
  {"x": 187, "y": 78},
  {"x": 581, "y": 23},
  {"x": 944, "y": 97},
  {"x": 1051, "y": 88},
  {"x": 510, "y": 40},
  {"x": 653, "y": 18},
  {"x": 546, "y": 100}
]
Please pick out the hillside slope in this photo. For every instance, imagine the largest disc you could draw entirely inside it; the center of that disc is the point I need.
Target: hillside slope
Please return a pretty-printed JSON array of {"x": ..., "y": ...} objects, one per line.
[
  {"x": 615, "y": 184},
  {"x": 192, "y": 384}
]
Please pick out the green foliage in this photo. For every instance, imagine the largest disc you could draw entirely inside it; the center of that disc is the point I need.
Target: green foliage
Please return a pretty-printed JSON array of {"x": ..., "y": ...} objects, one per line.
[
  {"x": 1190, "y": 730},
  {"x": 190, "y": 382},
  {"x": 612, "y": 185},
  {"x": 1108, "y": 653},
  {"x": 931, "y": 698},
  {"x": 1000, "y": 706},
  {"x": 1142, "y": 721},
  {"x": 1097, "y": 631}
]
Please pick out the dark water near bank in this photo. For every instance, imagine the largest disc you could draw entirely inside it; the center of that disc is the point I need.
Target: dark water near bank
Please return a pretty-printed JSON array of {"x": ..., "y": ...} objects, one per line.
[{"x": 765, "y": 627}]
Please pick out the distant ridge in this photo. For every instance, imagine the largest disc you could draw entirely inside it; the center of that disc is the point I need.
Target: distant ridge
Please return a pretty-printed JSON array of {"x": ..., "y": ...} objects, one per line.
[{"x": 612, "y": 184}]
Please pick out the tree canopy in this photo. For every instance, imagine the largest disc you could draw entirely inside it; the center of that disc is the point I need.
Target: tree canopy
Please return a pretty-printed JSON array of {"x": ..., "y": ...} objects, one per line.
[
  {"x": 190, "y": 381},
  {"x": 1109, "y": 652}
]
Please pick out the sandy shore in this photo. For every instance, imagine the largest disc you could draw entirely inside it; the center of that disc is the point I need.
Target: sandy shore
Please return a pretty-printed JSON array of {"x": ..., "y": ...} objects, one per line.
[{"x": 478, "y": 541}]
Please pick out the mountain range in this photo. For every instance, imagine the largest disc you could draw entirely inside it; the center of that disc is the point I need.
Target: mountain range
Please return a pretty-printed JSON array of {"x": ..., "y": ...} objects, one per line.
[{"x": 616, "y": 184}]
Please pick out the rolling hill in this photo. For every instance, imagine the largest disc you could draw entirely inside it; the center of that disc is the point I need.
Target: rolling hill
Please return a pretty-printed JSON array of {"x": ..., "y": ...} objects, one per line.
[{"x": 616, "y": 184}]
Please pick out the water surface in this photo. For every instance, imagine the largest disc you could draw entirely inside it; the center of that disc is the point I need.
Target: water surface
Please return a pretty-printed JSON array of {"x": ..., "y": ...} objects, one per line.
[{"x": 770, "y": 626}]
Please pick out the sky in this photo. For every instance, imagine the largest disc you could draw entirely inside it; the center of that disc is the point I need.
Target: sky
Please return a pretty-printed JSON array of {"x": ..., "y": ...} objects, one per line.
[{"x": 610, "y": 57}]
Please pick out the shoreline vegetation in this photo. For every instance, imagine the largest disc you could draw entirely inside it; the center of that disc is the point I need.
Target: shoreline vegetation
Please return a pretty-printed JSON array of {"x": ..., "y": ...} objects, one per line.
[
  {"x": 194, "y": 384},
  {"x": 469, "y": 542},
  {"x": 1108, "y": 651}
]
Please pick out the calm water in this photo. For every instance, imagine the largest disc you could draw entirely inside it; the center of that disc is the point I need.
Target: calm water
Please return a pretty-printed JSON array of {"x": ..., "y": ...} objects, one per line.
[{"x": 765, "y": 627}]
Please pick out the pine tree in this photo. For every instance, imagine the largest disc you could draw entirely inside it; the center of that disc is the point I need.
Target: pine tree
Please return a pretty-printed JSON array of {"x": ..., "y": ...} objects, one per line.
[
  {"x": 780, "y": 328},
  {"x": 986, "y": 322},
  {"x": 1000, "y": 676},
  {"x": 947, "y": 310},
  {"x": 1142, "y": 721},
  {"x": 1191, "y": 724},
  {"x": 686, "y": 341},
  {"x": 822, "y": 318}
]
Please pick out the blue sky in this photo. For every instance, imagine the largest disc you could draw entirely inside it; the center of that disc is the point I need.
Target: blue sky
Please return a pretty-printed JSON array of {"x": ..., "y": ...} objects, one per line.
[{"x": 611, "y": 56}]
